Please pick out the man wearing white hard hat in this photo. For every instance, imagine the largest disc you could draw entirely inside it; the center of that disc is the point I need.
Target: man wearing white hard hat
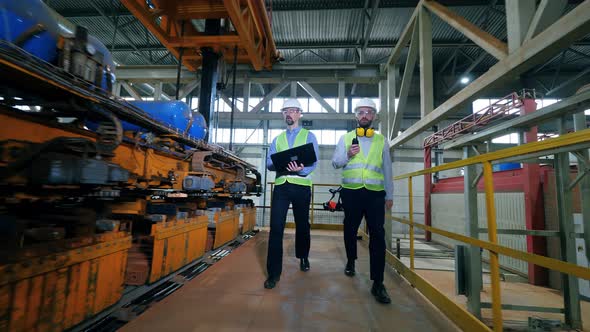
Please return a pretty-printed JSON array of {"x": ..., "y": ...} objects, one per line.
[
  {"x": 367, "y": 191},
  {"x": 292, "y": 187}
]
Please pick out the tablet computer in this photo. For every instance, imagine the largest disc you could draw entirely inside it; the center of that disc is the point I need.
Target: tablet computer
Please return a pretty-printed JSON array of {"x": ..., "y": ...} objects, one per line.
[{"x": 303, "y": 154}]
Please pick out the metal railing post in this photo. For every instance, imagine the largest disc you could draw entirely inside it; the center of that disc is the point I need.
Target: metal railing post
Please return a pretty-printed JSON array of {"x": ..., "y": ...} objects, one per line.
[
  {"x": 493, "y": 238},
  {"x": 411, "y": 215}
]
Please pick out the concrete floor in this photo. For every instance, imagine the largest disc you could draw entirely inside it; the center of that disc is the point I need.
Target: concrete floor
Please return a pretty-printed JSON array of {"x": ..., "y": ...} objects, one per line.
[{"x": 230, "y": 296}]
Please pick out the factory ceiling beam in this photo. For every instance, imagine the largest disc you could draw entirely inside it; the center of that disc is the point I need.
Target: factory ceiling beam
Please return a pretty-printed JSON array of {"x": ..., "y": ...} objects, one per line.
[
  {"x": 134, "y": 94},
  {"x": 353, "y": 73},
  {"x": 365, "y": 35},
  {"x": 89, "y": 13},
  {"x": 491, "y": 44},
  {"x": 406, "y": 81},
  {"x": 280, "y": 6},
  {"x": 403, "y": 40},
  {"x": 124, "y": 35},
  {"x": 317, "y": 96},
  {"x": 370, "y": 24},
  {"x": 572, "y": 26},
  {"x": 426, "y": 79},
  {"x": 188, "y": 88},
  {"x": 273, "y": 93},
  {"x": 547, "y": 12},
  {"x": 342, "y": 45},
  {"x": 278, "y": 116},
  {"x": 148, "y": 20}
]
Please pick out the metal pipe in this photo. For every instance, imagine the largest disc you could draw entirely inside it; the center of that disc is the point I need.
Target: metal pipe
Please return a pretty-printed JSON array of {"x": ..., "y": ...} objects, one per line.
[
  {"x": 580, "y": 124},
  {"x": 493, "y": 238},
  {"x": 233, "y": 98},
  {"x": 179, "y": 68}
]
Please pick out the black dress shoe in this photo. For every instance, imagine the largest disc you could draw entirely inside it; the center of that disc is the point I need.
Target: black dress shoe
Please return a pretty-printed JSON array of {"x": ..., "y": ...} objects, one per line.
[
  {"x": 380, "y": 294},
  {"x": 270, "y": 283},
  {"x": 304, "y": 264},
  {"x": 349, "y": 269}
]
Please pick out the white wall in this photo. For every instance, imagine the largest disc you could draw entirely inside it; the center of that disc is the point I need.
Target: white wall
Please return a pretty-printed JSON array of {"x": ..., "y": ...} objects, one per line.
[{"x": 448, "y": 213}]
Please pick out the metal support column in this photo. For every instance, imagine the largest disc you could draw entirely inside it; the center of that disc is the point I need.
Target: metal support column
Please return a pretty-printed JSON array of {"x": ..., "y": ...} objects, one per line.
[
  {"x": 341, "y": 86},
  {"x": 384, "y": 129},
  {"x": 246, "y": 99},
  {"x": 209, "y": 74},
  {"x": 117, "y": 89},
  {"x": 426, "y": 78},
  {"x": 519, "y": 14},
  {"x": 580, "y": 124},
  {"x": 391, "y": 94},
  {"x": 265, "y": 142},
  {"x": 383, "y": 125},
  {"x": 293, "y": 89},
  {"x": 571, "y": 295},
  {"x": 427, "y": 192},
  {"x": 474, "y": 275},
  {"x": 158, "y": 90}
]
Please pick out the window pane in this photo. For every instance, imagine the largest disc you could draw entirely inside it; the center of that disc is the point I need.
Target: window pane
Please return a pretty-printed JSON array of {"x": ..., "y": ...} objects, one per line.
[{"x": 480, "y": 104}]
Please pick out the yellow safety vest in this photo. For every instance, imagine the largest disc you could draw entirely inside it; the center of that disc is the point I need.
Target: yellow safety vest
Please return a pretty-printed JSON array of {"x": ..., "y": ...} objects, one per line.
[
  {"x": 361, "y": 172},
  {"x": 282, "y": 144}
]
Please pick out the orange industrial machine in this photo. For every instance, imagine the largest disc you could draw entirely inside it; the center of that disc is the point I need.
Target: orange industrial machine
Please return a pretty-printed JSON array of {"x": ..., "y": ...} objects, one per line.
[{"x": 97, "y": 193}]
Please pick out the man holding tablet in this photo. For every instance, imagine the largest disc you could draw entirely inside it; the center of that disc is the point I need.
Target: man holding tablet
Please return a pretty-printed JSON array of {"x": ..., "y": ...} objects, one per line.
[{"x": 292, "y": 186}]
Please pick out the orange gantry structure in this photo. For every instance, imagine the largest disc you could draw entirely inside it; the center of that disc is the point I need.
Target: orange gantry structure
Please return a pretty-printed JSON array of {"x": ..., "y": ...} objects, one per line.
[{"x": 171, "y": 22}]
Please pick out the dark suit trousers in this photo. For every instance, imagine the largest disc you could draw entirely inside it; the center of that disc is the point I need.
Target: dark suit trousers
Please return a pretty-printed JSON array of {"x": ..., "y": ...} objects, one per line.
[
  {"x": 284, "y": 195},
  {"x": 370, "y": 204}
]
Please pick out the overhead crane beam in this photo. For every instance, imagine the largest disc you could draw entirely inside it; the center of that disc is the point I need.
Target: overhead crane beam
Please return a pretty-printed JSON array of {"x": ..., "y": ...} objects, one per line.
[{"x": 250, "y": 30}]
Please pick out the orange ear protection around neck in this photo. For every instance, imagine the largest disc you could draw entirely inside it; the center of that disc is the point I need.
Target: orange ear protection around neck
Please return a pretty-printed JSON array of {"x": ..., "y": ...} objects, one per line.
[{"x": 366, "y": 132}]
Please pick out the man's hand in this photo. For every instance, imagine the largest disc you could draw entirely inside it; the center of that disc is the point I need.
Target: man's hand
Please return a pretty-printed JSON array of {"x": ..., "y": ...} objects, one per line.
[
  {"x": 293, "y": 167},
  {"x": 353, "y": 150},
  {"x": 388, "y": 204}
]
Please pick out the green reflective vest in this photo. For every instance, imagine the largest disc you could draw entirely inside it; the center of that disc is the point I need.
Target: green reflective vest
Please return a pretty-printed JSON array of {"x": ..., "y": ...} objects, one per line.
[
  {"x": 361, "y": 172},
  {"x": 281, "y": 145}
]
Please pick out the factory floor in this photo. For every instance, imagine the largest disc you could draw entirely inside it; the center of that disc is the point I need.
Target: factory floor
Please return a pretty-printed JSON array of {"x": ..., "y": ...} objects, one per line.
[{"x": 230, "y": 296}]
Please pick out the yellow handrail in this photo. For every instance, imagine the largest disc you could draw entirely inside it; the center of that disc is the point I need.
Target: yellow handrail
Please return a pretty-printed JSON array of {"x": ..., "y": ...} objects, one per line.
[
  {"x": 457, "y": 314},
  {"x": 582, "y": 136}
]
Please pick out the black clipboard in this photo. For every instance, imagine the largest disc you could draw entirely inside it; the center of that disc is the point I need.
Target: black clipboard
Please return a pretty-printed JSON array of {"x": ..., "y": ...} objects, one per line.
[{"x": 303, "y": 154}]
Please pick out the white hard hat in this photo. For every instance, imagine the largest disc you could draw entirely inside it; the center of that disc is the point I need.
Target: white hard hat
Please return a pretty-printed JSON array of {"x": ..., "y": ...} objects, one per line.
[
  {"x": 366, "y": 102},
  {"x": 290, "y": 103}
]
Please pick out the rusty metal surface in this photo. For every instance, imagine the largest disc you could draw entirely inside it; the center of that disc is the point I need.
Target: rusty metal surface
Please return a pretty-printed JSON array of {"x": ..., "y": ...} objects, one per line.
[
  {"x": 226, "y": 227},
  {"x": 230, "y": 296},
  {"x": 249, "y": 219},
  {"x": 54, "y": 292},
  {"x": 176, "y": 244}
]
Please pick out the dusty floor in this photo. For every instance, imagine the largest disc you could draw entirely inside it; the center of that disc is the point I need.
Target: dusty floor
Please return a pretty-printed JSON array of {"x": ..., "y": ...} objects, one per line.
[{"x": 230, "y": 296}]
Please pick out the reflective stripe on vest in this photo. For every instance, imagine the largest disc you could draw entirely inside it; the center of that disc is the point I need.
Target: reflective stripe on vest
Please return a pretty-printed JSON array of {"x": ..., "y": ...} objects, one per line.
[
  {"x": 361, "y": 172},
  {"x": 282, "y": 144}
]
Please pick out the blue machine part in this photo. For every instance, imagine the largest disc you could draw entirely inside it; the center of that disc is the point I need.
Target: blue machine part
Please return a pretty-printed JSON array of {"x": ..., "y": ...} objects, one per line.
[
  {"x": 177, "y": 114},
  {"x": 199, "y": 127},
  {"x": 197, "y": 183},
  {"x": 505, "y": 167},
  {"x": 18, "y": 17}
]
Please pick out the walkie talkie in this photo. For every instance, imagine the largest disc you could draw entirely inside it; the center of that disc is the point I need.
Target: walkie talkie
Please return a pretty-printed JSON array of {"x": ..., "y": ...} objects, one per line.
[{"x": 355, "y": 141}]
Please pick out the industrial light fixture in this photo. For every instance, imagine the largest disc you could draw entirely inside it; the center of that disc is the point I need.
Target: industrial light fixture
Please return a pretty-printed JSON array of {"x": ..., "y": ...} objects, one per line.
[{"x": 464, "y": 80}]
